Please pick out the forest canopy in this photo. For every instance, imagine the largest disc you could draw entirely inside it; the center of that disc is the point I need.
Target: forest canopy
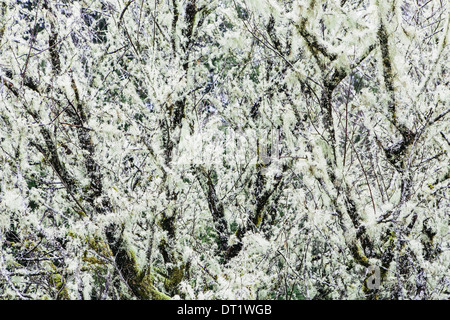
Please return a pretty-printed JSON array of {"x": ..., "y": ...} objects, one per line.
[{"x": 224, "y": 149}]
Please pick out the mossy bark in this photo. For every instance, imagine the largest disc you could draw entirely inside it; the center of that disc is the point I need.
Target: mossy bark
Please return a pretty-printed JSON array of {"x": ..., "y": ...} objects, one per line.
[{"x": 140, "y": 282}]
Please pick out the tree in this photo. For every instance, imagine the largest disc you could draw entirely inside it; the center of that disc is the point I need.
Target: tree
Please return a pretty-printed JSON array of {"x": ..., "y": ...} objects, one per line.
[{"x": 224, "y": 149}]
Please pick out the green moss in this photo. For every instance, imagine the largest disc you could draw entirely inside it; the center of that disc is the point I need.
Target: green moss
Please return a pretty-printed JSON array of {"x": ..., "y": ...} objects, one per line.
[
  {"x": 93, "y": 260},
  {"x": 145, "y": 289},
  {"x": 59, "y": 283},
  {"x": 359, "y": 255},
  {"x": 258, "y": 219},
  {"x": 175, "y": 277}
]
